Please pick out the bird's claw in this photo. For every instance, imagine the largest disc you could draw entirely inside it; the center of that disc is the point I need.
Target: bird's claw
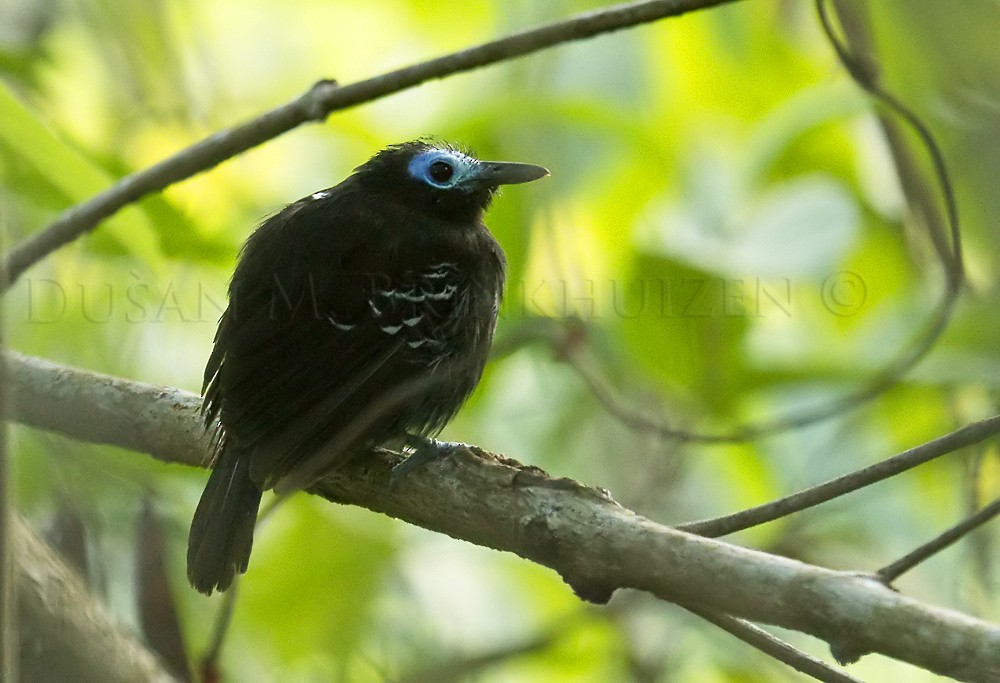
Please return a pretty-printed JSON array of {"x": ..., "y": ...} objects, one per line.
[{"x": 424, "y": 451}]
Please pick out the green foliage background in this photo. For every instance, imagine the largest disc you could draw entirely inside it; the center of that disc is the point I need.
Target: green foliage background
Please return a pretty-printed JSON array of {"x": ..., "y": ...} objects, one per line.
[{"x": 722, "y": 214}]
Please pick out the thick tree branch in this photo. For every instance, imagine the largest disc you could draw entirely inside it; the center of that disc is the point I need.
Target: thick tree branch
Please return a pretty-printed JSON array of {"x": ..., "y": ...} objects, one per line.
[
  {"x": 316, "y": 104},
  {"x": 65, "y": 635},
  {"x": 595, "y": 544}
]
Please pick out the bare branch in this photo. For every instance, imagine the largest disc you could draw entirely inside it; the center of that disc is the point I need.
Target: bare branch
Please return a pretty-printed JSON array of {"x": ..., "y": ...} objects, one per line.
[
  {"x": 324, "y": 98},
  {"x": 893, "y": 571},
  {"x": 858, "y": 57},
  {"x": 834, "y": 488},
  {"x": 160, "y": 421},
  {"x": 471, "y": 666},
  {"x": 66, "y": 636},
  {"x": 775, "y": 647},
  {"x": 596, "y": 545}
]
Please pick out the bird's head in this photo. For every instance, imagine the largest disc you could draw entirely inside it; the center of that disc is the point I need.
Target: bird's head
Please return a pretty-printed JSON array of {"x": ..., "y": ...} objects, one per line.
[{"x": 441, "y": 180}]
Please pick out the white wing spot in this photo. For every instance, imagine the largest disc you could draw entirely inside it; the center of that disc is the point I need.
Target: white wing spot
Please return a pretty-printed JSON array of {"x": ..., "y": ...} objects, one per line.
[
  {"x": 340, "y": 326},
  {"x": 322, "y": 194},
  {"x": 392, "y": 329},
  {"x": 396, "y": 294},
  {"x": 375, "y": 309},
  {"x": 445, "y": 293},
  {"x": 416, "y": 344},
  {"x": 410, "y": 322}
]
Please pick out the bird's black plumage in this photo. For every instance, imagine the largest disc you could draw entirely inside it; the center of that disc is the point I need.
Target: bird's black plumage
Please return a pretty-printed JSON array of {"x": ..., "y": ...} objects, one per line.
[{"x": 358, "y": 316}]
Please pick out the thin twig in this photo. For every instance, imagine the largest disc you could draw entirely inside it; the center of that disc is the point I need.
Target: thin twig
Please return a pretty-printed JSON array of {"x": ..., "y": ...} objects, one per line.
[
  {"x": 981, "y": 547},
  {"x": 472, "y": 666},
  {"x": 224, "y": 617},
  {"x": 324, "y": 98},
  {"x": 767, "y": 512},
  {"x": 209, "y": 665},
  {"x": 860, "y": 63},
  {"x": 893, "y": 571},
  {"x": 771, "y": 645}
]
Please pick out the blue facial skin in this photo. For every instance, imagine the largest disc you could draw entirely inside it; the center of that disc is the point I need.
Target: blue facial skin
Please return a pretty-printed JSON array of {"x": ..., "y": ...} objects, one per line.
[{"x": 463, "y": 168}]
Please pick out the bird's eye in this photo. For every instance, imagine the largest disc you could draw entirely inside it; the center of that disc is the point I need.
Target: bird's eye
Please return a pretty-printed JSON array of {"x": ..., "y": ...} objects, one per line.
[{"x": 441, "y": 171}]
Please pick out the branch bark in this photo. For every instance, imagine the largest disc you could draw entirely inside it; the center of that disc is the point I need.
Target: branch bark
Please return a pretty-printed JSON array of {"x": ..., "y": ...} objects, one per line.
[
  {"x": 65, "y": 635},
  {"x": 321, "y": 100},
  {"x": 596, "y": 545}
]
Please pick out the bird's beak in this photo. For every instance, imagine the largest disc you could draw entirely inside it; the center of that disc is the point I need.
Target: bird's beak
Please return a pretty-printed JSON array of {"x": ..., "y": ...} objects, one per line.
[{"x": 508, "y": 173}]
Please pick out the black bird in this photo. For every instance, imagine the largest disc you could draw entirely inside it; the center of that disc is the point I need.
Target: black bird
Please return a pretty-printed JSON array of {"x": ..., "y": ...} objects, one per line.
[{"x": 360, "y": 316}]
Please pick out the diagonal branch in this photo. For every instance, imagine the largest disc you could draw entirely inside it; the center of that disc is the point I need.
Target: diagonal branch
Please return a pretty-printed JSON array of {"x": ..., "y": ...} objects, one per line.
[
  {"x": 596, "y": 545},
  {"x": 67, "y": 636},
  {"x": 324, "y": 98},
  {"x": 834, "y": 488},
  {"x": 773, "y": 646},
  {"x": 893, "y": 571}
]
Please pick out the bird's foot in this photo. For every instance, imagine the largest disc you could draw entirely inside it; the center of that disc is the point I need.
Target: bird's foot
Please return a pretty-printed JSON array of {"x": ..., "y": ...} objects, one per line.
[{"x": 424, "y": 450}]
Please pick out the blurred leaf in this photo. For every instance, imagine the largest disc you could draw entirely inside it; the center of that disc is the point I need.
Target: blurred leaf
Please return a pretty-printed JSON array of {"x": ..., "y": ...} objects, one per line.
[
  {"x": 304, "y": 551},
  {"x": 23, "y": 36},
  {"x": 157, "y": 611},
  {"x": 804, "y": 134},
  {"x": 798, "y": 228},
  {"x": 67, "y": 170},
  {"x": 686, "y": 328},
  {"x": 68, "y": 534}
]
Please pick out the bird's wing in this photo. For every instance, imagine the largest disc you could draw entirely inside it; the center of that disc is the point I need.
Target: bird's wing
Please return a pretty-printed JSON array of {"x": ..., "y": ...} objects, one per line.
[
  {"x": 283, "y": 384},
  {"x": 304, "y": 372},
  {"x": 403, "y": 334}
]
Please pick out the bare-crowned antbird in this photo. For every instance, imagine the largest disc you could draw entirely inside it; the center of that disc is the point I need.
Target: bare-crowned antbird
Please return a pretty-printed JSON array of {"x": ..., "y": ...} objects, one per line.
[{"x": 359, "y": 316}]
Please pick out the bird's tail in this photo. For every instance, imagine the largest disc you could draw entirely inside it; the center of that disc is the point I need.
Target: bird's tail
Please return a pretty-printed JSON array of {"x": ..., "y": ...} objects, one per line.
[{"x": 222, "y": 529}]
